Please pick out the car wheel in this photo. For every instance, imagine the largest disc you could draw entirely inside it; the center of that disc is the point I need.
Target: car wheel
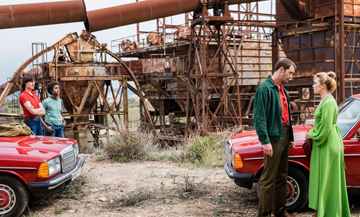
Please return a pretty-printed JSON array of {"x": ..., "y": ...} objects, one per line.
[
  {"x": 13, "y": 196},
  {"x": 297, "y": 190}
]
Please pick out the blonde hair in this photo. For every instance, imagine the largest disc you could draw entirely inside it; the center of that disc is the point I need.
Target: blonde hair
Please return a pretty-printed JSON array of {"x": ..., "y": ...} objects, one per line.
[{"x": 327, "y": 78}]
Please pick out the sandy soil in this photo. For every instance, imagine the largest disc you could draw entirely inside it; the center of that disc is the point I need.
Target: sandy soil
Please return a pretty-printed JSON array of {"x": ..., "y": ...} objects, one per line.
[{"x": 152, "y": 189}]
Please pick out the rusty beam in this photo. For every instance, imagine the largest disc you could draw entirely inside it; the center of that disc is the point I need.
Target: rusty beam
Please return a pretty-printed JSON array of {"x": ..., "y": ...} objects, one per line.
[
  {"x": 106, "y": 104},
  {"x": 137, "y": 12},
  {"x": 133, "y": 77},
  {"x": 82, "y": 103},
  {"x": 96, "y": 114},
  {"x": 133, "y": 89},
  {"x": 68, "y": 96},
  {"x": 115, "y": 96},
  {"x": 162, "y": 91},
  {"x": 90, "y": 78},
  {"x": 352, "y": 53},
  {"x": 126, "y": 105},
  {"x": 87, "y": 92},
  {"x": 24, "y": 15},
  {"x": 341, "y": 59}
]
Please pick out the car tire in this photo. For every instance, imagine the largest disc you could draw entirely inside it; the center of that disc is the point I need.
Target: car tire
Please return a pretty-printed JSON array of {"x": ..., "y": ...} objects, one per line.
[
  {"x": 14, "y": 196},
  {"x": 297, "y": 191}
]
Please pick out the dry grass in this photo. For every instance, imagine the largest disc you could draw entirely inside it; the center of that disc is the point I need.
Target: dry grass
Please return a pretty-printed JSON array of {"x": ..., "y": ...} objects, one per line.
[
  {"x": 197, "y": 151},
  {"x": 187, "y": 188},
  {"x": 126, "y": 146}
]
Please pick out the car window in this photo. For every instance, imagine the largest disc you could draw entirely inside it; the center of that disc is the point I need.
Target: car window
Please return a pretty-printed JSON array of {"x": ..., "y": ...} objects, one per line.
[
  {"x": 357, "y": 134},
  {"x": 349, "y": 115}
]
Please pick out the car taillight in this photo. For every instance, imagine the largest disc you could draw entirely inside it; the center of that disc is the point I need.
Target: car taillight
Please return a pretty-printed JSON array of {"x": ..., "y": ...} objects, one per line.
[{"x": 238, "y": 164}]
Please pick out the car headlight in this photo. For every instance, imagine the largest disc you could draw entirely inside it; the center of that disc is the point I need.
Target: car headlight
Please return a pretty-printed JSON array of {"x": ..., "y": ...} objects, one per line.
[
  {"x": 231, "y": 157},
  {"x": 49, "y": 168},
  {"x": 76, "y": 147}
]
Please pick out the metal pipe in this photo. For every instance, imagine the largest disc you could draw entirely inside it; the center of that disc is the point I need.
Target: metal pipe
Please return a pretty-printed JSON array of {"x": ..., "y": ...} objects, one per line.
[
  {"x": 23, "y": 15},
  {"x": 137, "y": 12}
]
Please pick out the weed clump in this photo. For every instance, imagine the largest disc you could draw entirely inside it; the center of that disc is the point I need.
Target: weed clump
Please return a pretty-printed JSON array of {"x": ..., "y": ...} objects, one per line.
[
  {"x": 208, "y": 150},
  {"x": 126, "y": 146}
]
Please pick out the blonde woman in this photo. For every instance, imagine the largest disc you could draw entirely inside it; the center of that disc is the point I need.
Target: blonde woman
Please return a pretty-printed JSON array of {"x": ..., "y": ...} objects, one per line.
[{"x": 327, "y": 184}]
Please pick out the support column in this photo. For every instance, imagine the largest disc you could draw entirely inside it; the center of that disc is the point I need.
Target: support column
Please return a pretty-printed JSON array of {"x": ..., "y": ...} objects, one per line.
[
  {"x": 341, "y": 59},
  {"x": 275, "y": 49},
  {"x": 126, "y": 105}
]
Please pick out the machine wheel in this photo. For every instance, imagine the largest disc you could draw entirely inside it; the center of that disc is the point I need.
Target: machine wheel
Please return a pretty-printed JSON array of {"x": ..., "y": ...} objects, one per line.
[{"x": 14, "y": 196}]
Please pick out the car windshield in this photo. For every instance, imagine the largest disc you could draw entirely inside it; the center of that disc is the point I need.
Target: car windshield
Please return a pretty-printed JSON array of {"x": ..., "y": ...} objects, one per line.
[{"x": 349, "y": 115}]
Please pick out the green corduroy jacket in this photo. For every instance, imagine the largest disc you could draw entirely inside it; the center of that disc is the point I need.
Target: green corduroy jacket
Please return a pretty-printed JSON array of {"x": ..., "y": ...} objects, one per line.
[{"x": 267, "y": 113}]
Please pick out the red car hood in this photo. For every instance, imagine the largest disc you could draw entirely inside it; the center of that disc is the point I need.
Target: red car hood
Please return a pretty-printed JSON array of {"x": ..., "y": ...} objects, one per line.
[
  {"x": 34, "y": 147},
  {"x": 250, "y": 138}
]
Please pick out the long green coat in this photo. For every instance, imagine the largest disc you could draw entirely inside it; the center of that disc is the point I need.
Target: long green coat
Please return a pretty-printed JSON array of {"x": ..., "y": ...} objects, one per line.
[{"x": 327, "y": 184}]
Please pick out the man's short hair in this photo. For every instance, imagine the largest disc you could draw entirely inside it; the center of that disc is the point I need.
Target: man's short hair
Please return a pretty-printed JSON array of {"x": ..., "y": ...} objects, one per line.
[
  {"x": 285, "y": 63},
  {"x": 51, "y": 86}
]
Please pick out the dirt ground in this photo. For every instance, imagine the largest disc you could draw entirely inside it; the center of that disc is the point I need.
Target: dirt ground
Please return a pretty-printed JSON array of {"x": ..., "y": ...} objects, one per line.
[{"x": 152, "y": 189}]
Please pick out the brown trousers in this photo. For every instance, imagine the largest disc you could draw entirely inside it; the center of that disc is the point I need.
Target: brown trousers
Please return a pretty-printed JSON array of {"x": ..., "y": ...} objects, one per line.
[{"x": 272, "y": 192}]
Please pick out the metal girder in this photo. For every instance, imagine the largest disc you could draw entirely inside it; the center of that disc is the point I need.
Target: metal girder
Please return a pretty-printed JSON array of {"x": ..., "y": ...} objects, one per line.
[{"x": 133, "y": 77}]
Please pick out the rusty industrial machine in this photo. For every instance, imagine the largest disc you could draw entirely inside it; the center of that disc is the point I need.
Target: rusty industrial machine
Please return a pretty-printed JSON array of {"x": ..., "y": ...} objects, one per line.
[
  {"x": 85, "y": 78},
  {"x": 319, "y": 36},
  {"x": 204, "y": 80},
  {"x": 86, "y": 81}
]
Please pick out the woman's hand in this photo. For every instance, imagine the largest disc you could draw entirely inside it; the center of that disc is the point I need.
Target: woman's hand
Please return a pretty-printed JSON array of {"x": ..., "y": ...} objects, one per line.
[{"x": 307, "y": 135}]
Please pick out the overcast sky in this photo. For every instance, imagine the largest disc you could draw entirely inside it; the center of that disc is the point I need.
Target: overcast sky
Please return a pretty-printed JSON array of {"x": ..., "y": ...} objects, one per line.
[{"x": 15, "y": 44}]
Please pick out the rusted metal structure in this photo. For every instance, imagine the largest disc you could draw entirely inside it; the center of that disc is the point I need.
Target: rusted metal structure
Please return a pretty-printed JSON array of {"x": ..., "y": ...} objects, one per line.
[
  {"x": 85, "y": 82},
  {"x": 207, "y": 84},
  {"x": 23, "y": 15},
  {"x": 204, "y": 82},
  {"x": 320, "y": 36}
]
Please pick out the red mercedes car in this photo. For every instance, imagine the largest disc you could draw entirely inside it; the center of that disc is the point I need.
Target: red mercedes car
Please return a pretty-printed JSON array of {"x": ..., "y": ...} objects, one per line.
[
  {"x": 37, "y": 166},
  {"x": 244, "y": 156}
]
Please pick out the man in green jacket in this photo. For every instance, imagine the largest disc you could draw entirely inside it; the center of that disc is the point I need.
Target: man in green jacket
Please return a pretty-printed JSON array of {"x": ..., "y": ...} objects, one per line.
[{"x": 272, "y": 119}]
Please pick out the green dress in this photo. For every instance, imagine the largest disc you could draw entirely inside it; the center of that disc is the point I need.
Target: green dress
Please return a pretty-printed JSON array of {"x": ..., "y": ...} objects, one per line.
[{"x": 327, "y": 184}]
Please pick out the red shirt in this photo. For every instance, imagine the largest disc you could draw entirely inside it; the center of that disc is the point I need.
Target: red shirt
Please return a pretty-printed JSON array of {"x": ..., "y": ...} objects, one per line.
[
  {"x": 34, "y": 101},
  {"x": 283, "y": 103}
]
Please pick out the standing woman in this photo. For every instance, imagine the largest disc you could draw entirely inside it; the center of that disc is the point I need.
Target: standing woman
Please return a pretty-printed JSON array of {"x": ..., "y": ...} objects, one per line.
[
  {"x": 31, "y": 105},
  {"x": 327, "y": 184}
]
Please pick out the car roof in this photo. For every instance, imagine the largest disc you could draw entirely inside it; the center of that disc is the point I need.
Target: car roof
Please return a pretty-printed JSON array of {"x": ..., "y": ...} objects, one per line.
[{"x": 356, "y": 95}]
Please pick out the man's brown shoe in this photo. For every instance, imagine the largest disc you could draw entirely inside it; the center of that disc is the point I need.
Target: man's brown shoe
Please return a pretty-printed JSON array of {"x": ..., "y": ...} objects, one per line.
[{"x": 285, "y": 215}]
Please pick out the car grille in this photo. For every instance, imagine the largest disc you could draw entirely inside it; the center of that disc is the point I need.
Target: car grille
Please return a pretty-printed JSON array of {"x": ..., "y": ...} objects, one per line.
[
  {"x": 68, "y": 158},
  {"x": 228, "y": 150}
]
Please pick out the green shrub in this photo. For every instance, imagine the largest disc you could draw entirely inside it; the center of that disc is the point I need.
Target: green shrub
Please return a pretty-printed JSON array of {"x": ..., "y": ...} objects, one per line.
[
  {"x": 126, "y": 146},
  {"x": 208, "y": 150}
]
